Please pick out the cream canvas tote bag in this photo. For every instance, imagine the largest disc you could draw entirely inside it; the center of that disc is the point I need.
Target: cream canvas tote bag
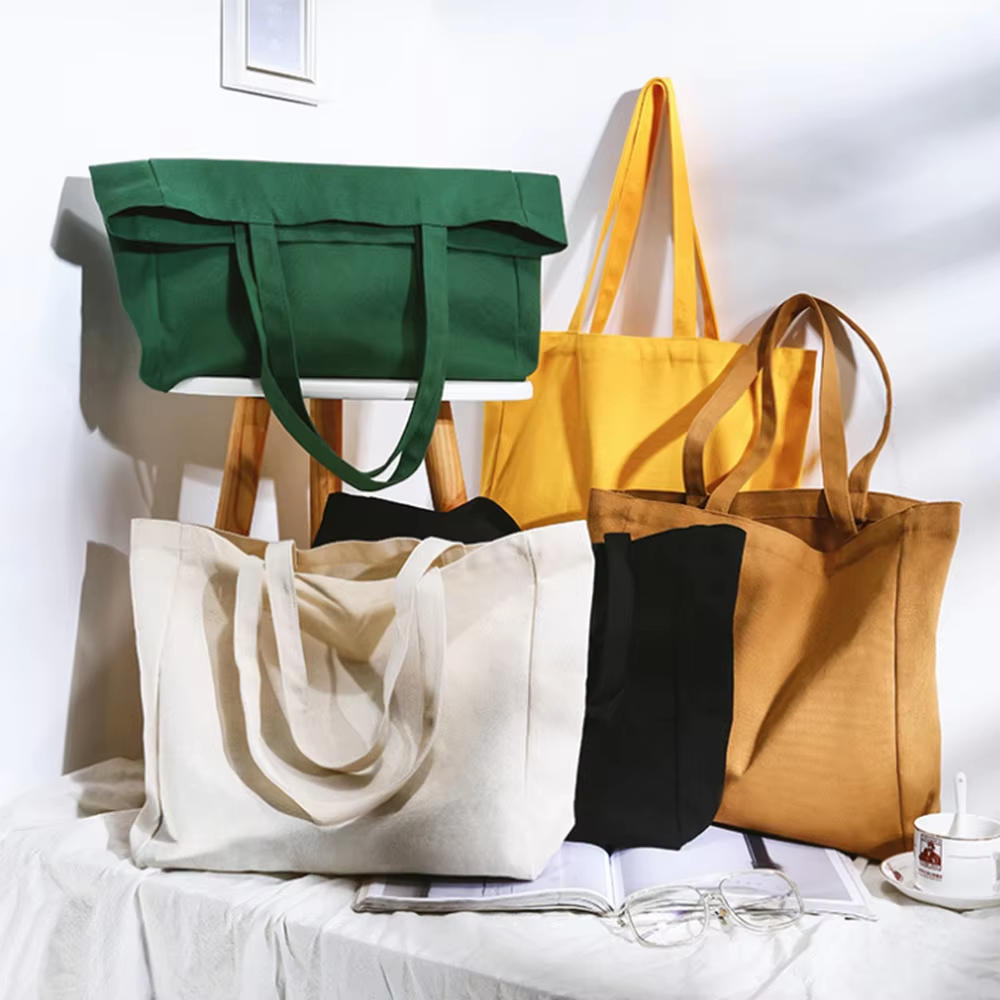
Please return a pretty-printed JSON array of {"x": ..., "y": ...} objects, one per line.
[{"x": 363, "y": 707}]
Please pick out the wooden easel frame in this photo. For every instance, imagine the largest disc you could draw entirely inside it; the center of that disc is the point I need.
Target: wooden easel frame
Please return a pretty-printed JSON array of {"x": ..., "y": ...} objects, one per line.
[{"x": 245, "y": 455}]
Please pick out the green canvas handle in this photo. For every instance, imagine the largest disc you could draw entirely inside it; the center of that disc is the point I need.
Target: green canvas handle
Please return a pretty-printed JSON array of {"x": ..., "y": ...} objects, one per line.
[{"x": 260, "y": 267}]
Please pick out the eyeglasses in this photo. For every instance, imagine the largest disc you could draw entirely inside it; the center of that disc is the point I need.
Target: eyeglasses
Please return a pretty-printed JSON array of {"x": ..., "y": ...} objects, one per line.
[{"x": 759, "y": 900}]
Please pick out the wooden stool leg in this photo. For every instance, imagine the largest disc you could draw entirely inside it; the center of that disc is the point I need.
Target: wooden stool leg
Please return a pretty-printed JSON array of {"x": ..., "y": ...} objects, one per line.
[
  {"x": 241, "y": 473},
  {"x": 328, "y": 416},
  {"x": 444, "y": 464}
]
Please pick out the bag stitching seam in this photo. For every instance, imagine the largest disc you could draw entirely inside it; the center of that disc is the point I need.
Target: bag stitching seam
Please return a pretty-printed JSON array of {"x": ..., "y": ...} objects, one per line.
[
  {"x": 181, "y": 548},
  {"x": 895, "y": 650},
  {"x": 528, "y": 549}
]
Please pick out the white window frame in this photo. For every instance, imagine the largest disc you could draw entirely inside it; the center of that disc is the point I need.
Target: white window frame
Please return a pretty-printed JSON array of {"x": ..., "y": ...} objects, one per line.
[{"x": 238, "y": 74}]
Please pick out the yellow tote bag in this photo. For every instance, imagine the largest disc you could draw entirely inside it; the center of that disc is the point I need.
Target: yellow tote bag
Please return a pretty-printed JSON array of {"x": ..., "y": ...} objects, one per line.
[{"x": 611, "y": 412}]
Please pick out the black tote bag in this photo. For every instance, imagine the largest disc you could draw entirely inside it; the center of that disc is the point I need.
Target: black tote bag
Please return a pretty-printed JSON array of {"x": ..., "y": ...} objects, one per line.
[
  {"x": 659, "y": 686},
  {"x": 350, "y": 518}
]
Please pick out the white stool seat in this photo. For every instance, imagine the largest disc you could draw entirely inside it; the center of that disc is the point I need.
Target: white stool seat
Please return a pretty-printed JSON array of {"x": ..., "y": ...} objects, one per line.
[{"x": 358, "y": 388}]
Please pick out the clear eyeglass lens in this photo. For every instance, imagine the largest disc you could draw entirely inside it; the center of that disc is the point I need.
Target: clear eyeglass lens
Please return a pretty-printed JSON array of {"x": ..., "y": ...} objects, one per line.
[
  {"x": 671, "y": 918},
  {"x": 762, "y": 900}
]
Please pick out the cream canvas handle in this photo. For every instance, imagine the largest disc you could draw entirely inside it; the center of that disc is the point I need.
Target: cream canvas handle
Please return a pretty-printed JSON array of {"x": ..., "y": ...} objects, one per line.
[
  {"x": 312, "y": 734},
  {"x": 331, "y": 789}
]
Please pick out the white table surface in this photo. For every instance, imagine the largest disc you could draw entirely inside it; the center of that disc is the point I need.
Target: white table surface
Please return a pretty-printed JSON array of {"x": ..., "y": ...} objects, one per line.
[
  {"x": 78, "y": 919},
  {"x": 359, "y": 388}
]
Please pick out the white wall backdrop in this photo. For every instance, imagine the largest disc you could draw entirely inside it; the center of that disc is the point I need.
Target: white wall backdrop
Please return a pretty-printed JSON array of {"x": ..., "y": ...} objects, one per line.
[{"x": 850, "y": 150}]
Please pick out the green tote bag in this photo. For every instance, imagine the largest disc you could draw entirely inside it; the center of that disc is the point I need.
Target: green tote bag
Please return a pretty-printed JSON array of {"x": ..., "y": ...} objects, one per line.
[{"x": 283, "y": 271}]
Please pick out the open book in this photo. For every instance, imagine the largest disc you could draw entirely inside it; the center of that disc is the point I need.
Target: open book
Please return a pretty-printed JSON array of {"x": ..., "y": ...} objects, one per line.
[{"x": 585, "y": 877}]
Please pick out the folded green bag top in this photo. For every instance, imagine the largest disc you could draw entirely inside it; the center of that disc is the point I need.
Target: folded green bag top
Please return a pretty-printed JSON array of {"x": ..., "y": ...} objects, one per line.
[{"x": 284, "y": 271}]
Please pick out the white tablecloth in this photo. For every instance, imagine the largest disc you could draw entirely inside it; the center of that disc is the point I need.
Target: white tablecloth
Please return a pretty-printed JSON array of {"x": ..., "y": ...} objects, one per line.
[{"x": 78, "y": 920}]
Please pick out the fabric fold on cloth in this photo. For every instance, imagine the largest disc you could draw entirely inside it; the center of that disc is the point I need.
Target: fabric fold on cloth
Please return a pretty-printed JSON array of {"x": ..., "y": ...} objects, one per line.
[{"x": 77, "y": 919}]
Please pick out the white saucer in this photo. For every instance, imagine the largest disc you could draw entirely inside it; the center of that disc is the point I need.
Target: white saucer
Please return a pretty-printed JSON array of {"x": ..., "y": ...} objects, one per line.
[{"x": 898, "y": 872}]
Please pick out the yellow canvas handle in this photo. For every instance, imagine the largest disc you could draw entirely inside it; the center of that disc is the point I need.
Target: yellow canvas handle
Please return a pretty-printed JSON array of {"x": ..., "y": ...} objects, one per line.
[{"x": 655, "y": 105}]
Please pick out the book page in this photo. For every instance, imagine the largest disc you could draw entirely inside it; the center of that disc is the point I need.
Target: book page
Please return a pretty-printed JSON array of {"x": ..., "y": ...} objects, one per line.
[
  {"x": 715, "y": 852},
  {"x": 402, "y": 888},
  {"x": 825, "y": 879},
  {"x": 574, "y": 866},
  {"x": 814, "y": 871}
]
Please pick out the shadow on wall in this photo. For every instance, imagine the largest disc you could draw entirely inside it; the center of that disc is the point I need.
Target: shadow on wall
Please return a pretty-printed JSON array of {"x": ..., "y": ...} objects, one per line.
[
  {"x": 643, "y": 305},
  {"x": 583, "y": 220},
  {"x": 644, "y": 302},
  {"x": 833, "y": 208},
  {"x": 828, "y": 210},
  {"x": 162, "y": 434},
  {"x": 105, "y": 715}
]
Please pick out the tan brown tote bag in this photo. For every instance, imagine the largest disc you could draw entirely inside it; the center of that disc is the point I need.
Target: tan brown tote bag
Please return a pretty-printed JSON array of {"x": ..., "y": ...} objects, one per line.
[{"x": 835, "y": 737}]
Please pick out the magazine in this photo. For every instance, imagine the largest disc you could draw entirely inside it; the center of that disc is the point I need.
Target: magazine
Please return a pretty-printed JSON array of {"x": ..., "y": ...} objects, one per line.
[{"x": 585, "y": 877}]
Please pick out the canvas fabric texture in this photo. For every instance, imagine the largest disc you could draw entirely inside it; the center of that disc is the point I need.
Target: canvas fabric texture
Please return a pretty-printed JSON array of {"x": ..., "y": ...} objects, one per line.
[
  {"x": 836, "y": 732},
  {"x": 282, "y": 271},
  {"x": 611, "y": 412},
  {"x": 363, "y": 707},
  {"x": 351, "y": 518},
  {"x": 659, "y": 686}
]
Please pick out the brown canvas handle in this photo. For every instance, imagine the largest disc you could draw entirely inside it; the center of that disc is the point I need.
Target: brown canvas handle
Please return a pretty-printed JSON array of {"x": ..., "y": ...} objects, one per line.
[{"x": 846, "y": 494}]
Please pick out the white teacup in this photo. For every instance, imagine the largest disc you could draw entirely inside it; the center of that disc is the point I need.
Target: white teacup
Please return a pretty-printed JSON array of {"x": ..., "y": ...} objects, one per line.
[{"x": 965, "y": 867}]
